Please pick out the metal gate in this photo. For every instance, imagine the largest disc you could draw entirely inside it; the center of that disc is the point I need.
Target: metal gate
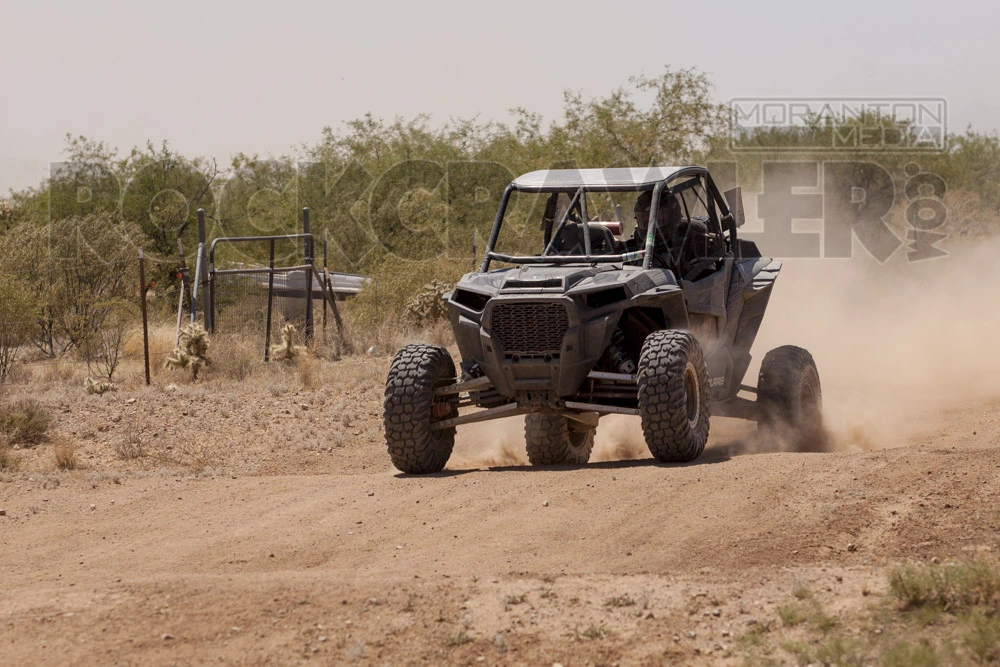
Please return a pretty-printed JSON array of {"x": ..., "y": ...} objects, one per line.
[{"x": 261, "y": 300}]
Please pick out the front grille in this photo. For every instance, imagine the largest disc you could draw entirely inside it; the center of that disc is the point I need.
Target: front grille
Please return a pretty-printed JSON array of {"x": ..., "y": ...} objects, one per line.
[{"x": 530, "y": 328}]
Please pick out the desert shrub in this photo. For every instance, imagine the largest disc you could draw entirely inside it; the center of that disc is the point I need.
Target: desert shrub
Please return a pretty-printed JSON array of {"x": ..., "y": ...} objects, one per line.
[
  {"x": 132, "y": 445},
  {"x": 57, "y": 372},
  {"x": 394, "y": 285},
  {"x": 82, "y": 270},
  {"x": 947, "y": 587},
  {"x": 24, "y": 421},
  {"x": 10, "y": 461},
  {"x": 306, "y": 369},
  {"x": 102, "y": 349},
  {"x": 236, "y": 357},
  {"x": 913, "y": 654},
  {"x": 65, "y": 456},
  {"x": 6, "y": 215},
  {"x": 970, "y": 216},
  {"x": 16, "y": 321}
]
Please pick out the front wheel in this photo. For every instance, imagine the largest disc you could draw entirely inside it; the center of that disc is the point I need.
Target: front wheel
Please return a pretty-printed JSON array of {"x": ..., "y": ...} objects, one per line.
[
  {"x": 410, "y": 408},
  {"x": 673, "y": 396},
  {"x": 554, "y": 439}
]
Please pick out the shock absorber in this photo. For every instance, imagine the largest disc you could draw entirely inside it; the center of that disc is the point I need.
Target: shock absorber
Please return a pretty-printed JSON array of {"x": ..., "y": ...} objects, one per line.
[{"x": 619, "y": 359}]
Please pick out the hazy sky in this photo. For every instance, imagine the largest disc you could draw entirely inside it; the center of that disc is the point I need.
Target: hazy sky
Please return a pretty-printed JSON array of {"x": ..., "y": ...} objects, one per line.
[{"x": 215, "y": 78}]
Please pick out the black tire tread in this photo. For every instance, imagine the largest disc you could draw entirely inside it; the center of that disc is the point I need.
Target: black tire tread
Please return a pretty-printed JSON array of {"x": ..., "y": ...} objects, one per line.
[
  {"x": 409, "y": 396},
  {"x": 663, "y": 398},
  {"x": 550, "y": 441},
  {"x": 782, "y": 374}
]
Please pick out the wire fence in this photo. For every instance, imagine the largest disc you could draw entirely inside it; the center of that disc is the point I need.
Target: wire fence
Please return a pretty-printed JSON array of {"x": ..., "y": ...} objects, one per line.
[
  {"x": 78, "y": 313},
  {"x": 262, "y": 300},
  {"x": 81, "y": 313},
  {"x": 240, "y": 304}
]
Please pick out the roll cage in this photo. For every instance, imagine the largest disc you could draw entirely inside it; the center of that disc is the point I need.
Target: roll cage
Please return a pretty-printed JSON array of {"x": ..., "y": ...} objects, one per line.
[{"x": 662, "y": 181}]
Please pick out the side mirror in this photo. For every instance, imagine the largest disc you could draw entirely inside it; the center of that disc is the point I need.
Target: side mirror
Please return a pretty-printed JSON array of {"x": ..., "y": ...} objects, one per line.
[{"x": 734, "y": 198}]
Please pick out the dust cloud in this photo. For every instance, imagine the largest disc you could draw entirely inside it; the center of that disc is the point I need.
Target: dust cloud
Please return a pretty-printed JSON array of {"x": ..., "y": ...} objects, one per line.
[
  {"x": 897, "y": 345},
  {"x": 490, "y": 444}
]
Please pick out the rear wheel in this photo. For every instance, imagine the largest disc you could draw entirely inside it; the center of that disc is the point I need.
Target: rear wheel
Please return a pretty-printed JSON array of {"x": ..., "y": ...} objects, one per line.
[
  {"x": 410, "y": 408},
  {"x": 554, "y": 439},
  {"x": 791, "y": 398},
  {"x": 673, "y": 396}
]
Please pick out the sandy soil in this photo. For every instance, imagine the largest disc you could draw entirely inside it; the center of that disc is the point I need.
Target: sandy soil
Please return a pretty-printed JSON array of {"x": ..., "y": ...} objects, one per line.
[{"x": 263, "y": 523}]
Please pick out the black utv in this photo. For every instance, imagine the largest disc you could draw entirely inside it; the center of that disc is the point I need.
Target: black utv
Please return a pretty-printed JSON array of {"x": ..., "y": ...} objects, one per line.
[{"x": 585, "y": 321}]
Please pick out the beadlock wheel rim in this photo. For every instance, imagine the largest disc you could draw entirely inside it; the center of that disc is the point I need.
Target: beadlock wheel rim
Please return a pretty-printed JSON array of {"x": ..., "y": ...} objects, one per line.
[
  {"x": 692, "y": 391},
  {"x": 808, "y": 403}
]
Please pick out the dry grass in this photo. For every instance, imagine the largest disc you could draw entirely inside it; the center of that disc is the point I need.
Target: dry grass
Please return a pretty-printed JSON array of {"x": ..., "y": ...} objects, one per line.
[
  {"x": 237, "y": 357},
  {"x": 196, "y": 456},
  {"x": 19, "y": 374},
  {"x": 619, "y": 601},
  {"x": 10, "y": 461},
  {"x": 953, "y": 587},
  {"x": 65, "y": 456},
  {"x": 161, "y": 342},
  {"x": 308, "y": 370},
  {"x": 932, "y": 615},
  {"x": 389, "y": 336},
  {"x": 58, "y": 372},
  {"x": 24, "y": 421},
  {"x": 981, "y": 637},
  {"x": 132, "y": 444}
]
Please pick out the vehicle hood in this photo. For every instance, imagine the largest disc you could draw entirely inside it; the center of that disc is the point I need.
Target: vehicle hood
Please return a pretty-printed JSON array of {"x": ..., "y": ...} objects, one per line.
[{"x": 557, "y": 279}]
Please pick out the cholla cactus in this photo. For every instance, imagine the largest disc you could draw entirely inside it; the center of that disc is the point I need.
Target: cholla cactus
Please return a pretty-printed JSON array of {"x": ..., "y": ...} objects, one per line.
[
  {"x": 288, "y": 350},
  {"x": 98, "y": 386},
  {"x": 6, "y": 213},
  {"x": 429, "y": 306},
  {"x": 191, "y": 351}
]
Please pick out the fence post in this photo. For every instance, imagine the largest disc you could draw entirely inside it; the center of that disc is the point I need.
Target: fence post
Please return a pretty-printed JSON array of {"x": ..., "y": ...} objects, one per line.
[
  {"x": 196, "y": 285},
  {"x": 336, "y": 311},
  {"x": 142, "y": 307},
  {"x": 306, "y": 229},
  {"x": 202, "y": 248},
  {"x": 326, "y": 275},
  {"x": 270, "y": 296}
]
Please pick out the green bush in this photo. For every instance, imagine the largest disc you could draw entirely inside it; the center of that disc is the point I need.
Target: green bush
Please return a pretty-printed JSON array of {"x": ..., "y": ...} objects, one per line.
[
  {"x": 17, "y": 313},
  {"x": 953, "y": 587},
  {"x": 82, "y": 272},
  {"x": 399, "y": 291}
]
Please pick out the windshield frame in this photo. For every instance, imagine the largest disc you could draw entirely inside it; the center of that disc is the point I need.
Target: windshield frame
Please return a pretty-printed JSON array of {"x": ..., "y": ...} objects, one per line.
[{"x": 579, "y": 192}]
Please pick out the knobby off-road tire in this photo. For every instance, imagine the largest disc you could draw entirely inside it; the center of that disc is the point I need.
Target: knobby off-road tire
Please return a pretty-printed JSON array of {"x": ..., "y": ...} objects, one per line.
[
  {"x": 673, "y": 396},
  {"x": 791, "y": 398},
  {"x": 554, "y": 439},
  {"x": 415, "y": 372}
]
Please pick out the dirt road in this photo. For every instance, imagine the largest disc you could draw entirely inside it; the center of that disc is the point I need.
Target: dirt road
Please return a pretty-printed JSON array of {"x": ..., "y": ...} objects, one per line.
[
  {"x": 628, "y": 561},
  {"x": 262, "y": 523}
]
